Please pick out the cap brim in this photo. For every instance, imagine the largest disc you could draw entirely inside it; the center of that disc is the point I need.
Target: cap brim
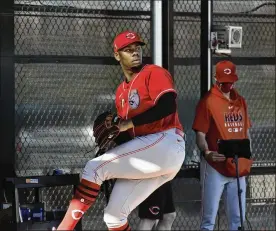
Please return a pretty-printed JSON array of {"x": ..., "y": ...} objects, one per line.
[
  {"x": 139, "y": 42},
  {"x": 227, "y": 79}
]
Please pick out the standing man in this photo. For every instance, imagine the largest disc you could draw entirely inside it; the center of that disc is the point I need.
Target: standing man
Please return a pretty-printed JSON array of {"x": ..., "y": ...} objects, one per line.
[
  {"x": 146, "y": 106},
  {"x": 220, "y": 114},
  {"x": 158, "y": 210}
]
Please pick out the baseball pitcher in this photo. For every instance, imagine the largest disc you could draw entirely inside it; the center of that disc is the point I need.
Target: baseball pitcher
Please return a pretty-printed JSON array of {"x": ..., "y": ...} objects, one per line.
[{"x": 147, "y": 111}]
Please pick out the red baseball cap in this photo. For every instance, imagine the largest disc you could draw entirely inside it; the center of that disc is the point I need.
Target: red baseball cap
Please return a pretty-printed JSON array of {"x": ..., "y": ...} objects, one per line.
[
  {"x": 226, "y": 72},
  {"x": 125, "y": 38}
]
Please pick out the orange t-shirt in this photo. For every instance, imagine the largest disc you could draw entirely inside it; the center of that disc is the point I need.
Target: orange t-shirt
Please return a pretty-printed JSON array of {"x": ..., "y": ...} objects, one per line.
[
  {"x": 141, "y": 94},
  {"x": 220, "y": 118}
]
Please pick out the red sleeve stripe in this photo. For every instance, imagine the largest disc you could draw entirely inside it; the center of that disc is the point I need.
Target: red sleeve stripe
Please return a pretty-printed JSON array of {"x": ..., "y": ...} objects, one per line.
[{"x": 163, "y": 92}]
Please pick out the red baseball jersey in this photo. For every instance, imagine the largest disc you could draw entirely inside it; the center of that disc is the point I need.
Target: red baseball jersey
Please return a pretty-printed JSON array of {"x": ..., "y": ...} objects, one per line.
[
  {"x": 142, "y": 93},
  {"x": 220, "y": 118}
]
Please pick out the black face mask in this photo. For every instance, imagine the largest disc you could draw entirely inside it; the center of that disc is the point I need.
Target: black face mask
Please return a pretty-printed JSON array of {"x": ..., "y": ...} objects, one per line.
[{"x": 225, "y": 87}]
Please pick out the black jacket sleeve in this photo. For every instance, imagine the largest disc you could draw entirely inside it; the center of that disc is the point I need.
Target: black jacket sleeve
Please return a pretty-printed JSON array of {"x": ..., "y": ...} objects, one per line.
[{"x": 165, "y": 106}]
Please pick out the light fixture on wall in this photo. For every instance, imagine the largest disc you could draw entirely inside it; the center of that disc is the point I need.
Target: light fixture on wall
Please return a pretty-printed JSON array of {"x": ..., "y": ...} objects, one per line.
[{"x": 225, "y": 38}]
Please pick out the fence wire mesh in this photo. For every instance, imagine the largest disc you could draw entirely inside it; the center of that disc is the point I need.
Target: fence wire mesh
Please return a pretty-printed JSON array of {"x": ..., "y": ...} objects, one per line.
[
  {"x": 257, "y": 19},
  {"x": 186, "y": 35},
  {"x": 55, "y": 107},
  {"x": 81, "y": 28},
  {"x": 257, "y": 84},
  {"x": 55, "y": 103}
]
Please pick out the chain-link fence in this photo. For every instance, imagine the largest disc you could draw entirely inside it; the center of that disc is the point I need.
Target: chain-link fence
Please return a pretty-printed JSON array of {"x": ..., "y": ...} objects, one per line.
[
  {"x": 56, "y": 102},
  {"x": 65, "y": 75},
  {"x": 257, "y": 84},
  {"x": 187, "y": 30}
]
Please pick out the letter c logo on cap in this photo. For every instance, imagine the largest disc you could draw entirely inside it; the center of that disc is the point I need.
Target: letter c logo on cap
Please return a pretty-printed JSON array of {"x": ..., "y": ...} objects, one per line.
[
  {"x": 130, "y": 36},
  {"x": 227, "y": 71}
]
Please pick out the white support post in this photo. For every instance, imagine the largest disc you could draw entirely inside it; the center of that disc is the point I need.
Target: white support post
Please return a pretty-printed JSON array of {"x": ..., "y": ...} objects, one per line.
[{"x": 157, "y": 32}]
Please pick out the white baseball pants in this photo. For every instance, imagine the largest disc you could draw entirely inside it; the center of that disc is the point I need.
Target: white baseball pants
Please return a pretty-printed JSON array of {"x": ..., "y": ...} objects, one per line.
[{"x": 141, "y": 166}]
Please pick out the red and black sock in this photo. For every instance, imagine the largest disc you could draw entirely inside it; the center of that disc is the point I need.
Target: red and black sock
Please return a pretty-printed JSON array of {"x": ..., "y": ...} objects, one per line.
[{"x": 85, "y": 195}]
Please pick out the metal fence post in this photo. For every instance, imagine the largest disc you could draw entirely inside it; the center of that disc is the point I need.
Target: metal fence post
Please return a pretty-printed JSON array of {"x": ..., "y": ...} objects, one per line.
[
  {"x": 7, "y": 156},
  {"x": 167, "y": 35},
  {"x": 205, "y": 51}
]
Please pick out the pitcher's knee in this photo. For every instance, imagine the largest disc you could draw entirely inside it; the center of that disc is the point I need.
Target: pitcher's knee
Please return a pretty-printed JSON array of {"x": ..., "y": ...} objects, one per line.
[
  {"x": 114, "y": 221},
  {"x": 91, "y": 172}
]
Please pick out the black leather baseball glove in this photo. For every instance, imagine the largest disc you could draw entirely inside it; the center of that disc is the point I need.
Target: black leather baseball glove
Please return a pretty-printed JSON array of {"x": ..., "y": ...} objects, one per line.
[{"x": 107, "y": 133}]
